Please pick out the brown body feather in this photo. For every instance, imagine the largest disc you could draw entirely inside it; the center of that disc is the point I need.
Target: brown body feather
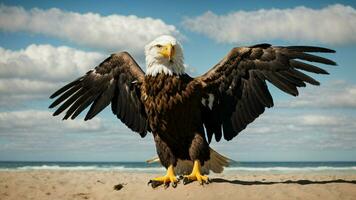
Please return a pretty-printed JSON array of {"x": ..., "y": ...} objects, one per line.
[{"x": 173, "y": 108}]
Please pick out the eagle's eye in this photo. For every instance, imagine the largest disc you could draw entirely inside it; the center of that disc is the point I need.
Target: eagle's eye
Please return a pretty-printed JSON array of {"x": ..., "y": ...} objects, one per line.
[{"x": 159, "y": 46}]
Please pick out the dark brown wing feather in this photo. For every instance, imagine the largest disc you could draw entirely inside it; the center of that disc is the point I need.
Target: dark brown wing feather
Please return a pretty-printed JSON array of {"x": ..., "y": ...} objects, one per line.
[
  {"x": 116, "y": 80},
  {"x": 238, "y": 83}
]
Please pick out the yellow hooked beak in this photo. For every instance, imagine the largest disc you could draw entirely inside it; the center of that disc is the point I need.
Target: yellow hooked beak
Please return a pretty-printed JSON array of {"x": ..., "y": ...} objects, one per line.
[{"x": 167, "y": 51}]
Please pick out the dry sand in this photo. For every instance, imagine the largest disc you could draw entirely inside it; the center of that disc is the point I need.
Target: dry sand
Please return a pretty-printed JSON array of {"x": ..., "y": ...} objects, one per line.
[{"x": 40, "y": 185}]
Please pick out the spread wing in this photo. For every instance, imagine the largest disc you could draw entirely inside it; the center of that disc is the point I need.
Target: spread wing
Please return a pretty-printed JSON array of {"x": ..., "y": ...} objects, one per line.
[
  {"x": 117, "y": 81},
  {"x": 235, "y": 89}
]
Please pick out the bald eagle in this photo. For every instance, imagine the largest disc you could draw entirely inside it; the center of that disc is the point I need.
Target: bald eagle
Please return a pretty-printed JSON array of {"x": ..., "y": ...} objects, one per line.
[{"x": 184, "y": 113}]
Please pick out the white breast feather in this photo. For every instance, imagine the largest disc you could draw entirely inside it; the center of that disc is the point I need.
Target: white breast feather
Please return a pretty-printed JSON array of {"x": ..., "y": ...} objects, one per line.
[{"x": 158, "y": 68}]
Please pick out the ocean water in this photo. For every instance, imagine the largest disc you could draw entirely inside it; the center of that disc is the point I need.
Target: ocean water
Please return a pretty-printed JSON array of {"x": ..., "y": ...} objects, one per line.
[{"x": 235, "y": 167}]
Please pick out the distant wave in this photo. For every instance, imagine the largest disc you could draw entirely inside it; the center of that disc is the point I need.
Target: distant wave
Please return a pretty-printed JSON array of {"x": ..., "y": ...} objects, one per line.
[
  {"x": 82, "y": 168},
  {"x": 159, "y": 169},
  {"x": 319, "y": 168}
]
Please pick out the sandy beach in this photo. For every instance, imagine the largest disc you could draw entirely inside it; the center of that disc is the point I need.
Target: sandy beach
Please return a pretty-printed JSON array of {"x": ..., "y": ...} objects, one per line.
[{"x": 62, "y": 184}]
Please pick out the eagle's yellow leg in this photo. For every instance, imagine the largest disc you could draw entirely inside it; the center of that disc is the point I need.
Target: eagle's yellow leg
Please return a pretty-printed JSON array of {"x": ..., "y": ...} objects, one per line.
[
  {"x": 196, "y": 175},
  {"x": 170, "y": 177}
]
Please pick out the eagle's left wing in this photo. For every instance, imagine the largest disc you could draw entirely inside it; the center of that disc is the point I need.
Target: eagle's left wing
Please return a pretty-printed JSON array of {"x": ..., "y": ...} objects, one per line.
[
  {"x": 235, "y": 90},
  {"x": 117, "y": 80}
]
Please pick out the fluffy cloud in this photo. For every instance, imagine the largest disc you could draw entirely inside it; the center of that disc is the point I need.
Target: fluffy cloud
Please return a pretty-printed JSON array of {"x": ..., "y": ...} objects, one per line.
[
  {"x": 334, "y": 24},
  {"x": 36, "y": 121},
  {"x": 36, "y": 71},
  {"x": 280, "y": 122},
  {"x": 112, "y": 33},
  {"x": 289, "y": 131},
  {"x": 15, "y": 91},
  {"x": 336, "y": 94},
  {"x": 323, "y": 120},
  {"x": 37, "y": 131},
  {"x": 46, "y": 62},
  {"x": 24, "y": 86}
]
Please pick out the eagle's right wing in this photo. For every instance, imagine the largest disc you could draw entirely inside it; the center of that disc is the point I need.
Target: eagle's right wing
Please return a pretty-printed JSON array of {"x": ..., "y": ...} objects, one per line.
[
  {"x": 235, "y": 92},
  {"x": 116, "y": 80}
]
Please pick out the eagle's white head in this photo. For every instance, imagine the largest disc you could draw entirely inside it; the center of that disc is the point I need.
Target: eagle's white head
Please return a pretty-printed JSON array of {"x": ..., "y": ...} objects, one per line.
[{"x": 164, "y": 55}]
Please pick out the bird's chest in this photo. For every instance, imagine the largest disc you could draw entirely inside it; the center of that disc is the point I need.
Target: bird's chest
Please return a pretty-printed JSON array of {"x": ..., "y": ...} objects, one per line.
[
  {"x": 167, "y": 100},
  {"x": 162, "y": 93}
]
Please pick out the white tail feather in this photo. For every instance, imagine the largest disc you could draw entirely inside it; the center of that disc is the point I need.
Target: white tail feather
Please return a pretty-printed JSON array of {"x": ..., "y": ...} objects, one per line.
[
  {"x": 216, "y": 164},
  {"x": 152, "y": 160}
]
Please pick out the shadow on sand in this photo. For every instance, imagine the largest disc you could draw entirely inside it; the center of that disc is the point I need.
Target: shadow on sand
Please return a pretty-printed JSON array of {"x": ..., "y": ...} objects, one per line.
[{"x": 300, "y": 182}]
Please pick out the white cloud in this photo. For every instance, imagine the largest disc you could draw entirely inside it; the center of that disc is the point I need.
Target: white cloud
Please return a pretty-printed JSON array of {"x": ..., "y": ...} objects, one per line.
[
  {"x": 279, "y": 122},
  {"x": 288, "y": 131},
  {"x": 14, "y": 91},
  {"x": 46, "y": 62},
  {"x": 322, "y": 120},
  {"x": 37, "y": 131},
  {"x": 37, "y": 121},
  {"x": 36, "y": 71},
  {"x": 336, "y": 94},
  {"x": 334, "y": 24},
  {"x": 25, "y": 87},
  {"x": 113, "y": 32}
]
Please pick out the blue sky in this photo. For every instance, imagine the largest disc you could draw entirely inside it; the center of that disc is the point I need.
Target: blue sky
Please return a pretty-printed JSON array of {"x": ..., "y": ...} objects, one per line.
[{"x": 44, "y": 44}]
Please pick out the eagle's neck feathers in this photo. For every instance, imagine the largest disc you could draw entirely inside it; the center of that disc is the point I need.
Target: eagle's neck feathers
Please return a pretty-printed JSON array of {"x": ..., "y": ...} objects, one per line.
[{"x": 169, "y": 69}]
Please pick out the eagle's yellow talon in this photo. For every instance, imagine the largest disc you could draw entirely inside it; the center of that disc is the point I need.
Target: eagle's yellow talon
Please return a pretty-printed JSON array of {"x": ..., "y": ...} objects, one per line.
[
  {"x": 170, "y": 177},
  {"x": 196, "y": 175}
]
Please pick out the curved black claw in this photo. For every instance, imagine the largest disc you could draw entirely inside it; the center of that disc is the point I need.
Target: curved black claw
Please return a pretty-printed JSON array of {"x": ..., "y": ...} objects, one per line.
[
  {"x": 154, "y": 184},
  {"x": 174, "y": 184},
  {"x": 208, "y": 181},
  {"x": 166, "y": 185},
  {"x": 186, "y": 180},
  {"x": 205, "y": 182}
]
